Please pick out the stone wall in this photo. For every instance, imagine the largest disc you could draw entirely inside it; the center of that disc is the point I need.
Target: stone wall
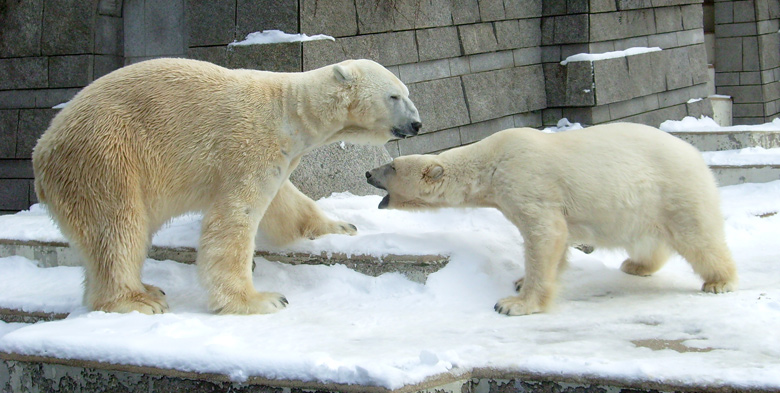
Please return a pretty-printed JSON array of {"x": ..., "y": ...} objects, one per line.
[
  {"x": 646, "y": 88},
  {"x": 473, "y": 66},
  {"x": 746, "y": 34}
]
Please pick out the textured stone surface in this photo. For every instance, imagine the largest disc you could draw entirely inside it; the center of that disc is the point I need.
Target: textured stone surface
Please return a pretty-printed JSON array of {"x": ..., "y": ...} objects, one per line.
[
  {"x": 14, "y": 194},
  {"x": 211, "y": 22},
  {"x": 430, "y": 142},
  {"x": 24, "y": 73},
  {"x": 252, "y": 15},
  {"x": 338, "y": 167},
  {"x": 336, "y": 18},
  {"x": 284, "y": 57},
  {"x": 68, "y": 27},
  {"x": 436, "y": 113},
  {"x": 70, "y": 71},
  {"x": 388, "y": 49},
  {"x": 9, "y": 120},
  {"x": 32, "y": 124},
  {"x": 20, "y": 29},
  {"x": 438, "y": 43},
  {"x": 478, "y": 38},
  {"x": 522, "y": 91}
]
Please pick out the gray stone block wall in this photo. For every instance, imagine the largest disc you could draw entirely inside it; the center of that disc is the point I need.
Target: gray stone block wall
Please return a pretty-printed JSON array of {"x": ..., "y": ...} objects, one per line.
[
  {"x": 472, "y": 66},
  {"x": 746, "y": 32},
  {"x": 642, "y": 87}
]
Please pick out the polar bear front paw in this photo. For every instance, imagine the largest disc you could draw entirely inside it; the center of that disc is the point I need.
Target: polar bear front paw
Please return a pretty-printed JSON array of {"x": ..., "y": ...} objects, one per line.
[
  {"x": 151, "y": 301},
  {"x": 515, "y": 305},
  {"x": 332, "y": 227},
  {"x": 256, "y": 303}
]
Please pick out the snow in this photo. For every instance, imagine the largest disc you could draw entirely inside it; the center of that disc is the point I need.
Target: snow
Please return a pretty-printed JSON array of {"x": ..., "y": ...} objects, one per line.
[
  {"x": 608, "y": 55},
  {"x": 345, "y": 327},
  {"x": 746, "y": 156},
  {"x": 707, "y": 124},
  {"x": 277, "y": 36}
]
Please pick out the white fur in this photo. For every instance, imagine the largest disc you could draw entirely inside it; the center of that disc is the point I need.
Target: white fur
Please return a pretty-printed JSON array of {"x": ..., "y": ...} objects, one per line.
[
  {"x": 617, "y": 185},
  {"x": 162, "y": 137}
]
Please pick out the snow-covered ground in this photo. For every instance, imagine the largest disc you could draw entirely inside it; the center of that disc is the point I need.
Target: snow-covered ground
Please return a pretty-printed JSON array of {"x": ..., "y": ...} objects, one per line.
[{"x": 345, "y": 327}]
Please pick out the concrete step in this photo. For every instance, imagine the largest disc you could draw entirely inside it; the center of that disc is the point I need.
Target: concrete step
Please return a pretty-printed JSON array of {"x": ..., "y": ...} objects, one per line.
[
  {"x": 19, "y": 373},
  {"x": 730, "y": 140},
  {"x": 729, "y": 175},
  {"x": 414, "y": 267}
]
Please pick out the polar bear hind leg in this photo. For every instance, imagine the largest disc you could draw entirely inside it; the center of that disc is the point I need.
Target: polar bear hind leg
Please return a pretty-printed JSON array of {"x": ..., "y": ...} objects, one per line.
[{"x": 645, "y": 257}]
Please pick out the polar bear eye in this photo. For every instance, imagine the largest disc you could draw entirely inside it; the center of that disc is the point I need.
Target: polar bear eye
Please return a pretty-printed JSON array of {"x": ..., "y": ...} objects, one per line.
[{"x": 395, "y": 97}]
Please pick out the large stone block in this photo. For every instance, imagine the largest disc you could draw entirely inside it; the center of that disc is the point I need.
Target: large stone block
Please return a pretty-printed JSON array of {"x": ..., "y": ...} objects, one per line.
[
  {"x": 611, "y": 79},
  {"x": 476, "y": 132},
  {"x": 336, "y": 18},
  {"x": 602, "y": 6},
  {"x": 213, "y": 54},
  {"x": 478, "y": 38},
  {"x": 252, "y": 16},
  {"x": 438, "y": 43},
  {"x": 32, "y": 124},
  {"x": 555, "y": 84},
  {"x": 732, "y": 46},
  {"x": 424, "y": 71},
  {"x": 70, "y": 71},
  {"x": 441, "y": 103},
  {"x": 388, "y": 49},
  {"x": 579, "y": 84},
  {"x": 520, "y": 9},
  {"x": 465, "y": 11},
  {"x": 769, "y": 51},
  {"x": 646, "y": 72},
  {"x": 211, "y": 22},
  {"x": 571, "y": 29},
  {"x": 16, "y": 99},
  {"x": 633, "y": 4},
  {"x": 430, "y": 143},
  {"x": 744, "y": 11},
  {"x": 282, "y": 57},
  {"x": 491, "y": 61},
  {"x": 338, "y": 167},
  {"x": 491, "y": 10},
  {"x": 9, "y": 120},
  {"x": 164, "y": 28},
  {"x": 47, "y": 98},
  {"x": 109, "y": 36},
  {"x": 495, "y": 94},
  {"x": 692, "y": 16},
  {"x": 527, "y": 56},
  {"x": 14, "y": 194},
  {"x": 20, "y": 29},
  {"x": 668, "y": 19},
  {"x": 619, "y": 25},
  {"x": 377, "y": 16},
  {"x": 523, "y": 33},
  {"x": 107, "y": 63},
  {"x": 24, "y": 73},
  {"x": 678, "y": 72},
  {"x": 68, "y": 27}
]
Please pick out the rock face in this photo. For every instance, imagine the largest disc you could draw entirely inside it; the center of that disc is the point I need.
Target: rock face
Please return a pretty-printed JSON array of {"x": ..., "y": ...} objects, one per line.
[{"x": 338, "y": 167}]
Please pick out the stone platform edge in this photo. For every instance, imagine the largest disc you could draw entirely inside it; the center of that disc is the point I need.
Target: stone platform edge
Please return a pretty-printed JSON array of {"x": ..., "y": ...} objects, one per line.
[
  {"x": 414, "y": 267},
  {"x": 28, "y": 373}
]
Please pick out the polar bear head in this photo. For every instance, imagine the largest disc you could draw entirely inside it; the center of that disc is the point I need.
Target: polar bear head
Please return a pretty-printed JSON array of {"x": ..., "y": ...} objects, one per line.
[
  {"x": 379, "y": 106},
  {"x": 415, "y": 182}
]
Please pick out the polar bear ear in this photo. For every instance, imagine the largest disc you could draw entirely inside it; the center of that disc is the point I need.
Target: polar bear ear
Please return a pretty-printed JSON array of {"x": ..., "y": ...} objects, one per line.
[
  {"x": 434, "y": 172},
  {"x": 343, "y": 74}
]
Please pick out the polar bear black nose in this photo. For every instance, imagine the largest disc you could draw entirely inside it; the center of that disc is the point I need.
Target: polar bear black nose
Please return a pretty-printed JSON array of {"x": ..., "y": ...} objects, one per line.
[{"x": 416, "y": 126}]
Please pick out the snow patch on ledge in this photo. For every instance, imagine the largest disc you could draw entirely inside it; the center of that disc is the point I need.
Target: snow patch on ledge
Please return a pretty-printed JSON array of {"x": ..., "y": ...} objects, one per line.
[
  {"x": 277, "y": 36},
  {"x": 609, "y": 55}
]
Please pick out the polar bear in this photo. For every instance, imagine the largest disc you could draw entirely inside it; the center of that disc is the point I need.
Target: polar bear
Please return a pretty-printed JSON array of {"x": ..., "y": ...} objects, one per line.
[
  {"x": 617, "y": 185},
  {"x": 162, "y": 137}
]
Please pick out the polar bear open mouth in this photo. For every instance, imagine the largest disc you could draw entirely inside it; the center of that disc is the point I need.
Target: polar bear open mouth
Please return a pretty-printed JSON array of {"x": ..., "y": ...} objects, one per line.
[{"x": 385, "y": 202}]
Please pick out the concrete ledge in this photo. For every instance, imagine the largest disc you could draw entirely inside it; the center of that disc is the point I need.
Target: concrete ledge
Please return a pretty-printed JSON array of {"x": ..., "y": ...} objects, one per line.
[
  {"x": 21, "y": 373},
  {"x": 730, "y": 140},
  {"x": 729, "y": 175},
  {"x": 414, "y": 267}
]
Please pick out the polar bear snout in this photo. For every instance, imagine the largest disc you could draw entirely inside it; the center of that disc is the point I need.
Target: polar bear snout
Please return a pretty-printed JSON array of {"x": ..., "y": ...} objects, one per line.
[
  {"x": 408, "y": 130},
  {"x": 378, "y": 177}
]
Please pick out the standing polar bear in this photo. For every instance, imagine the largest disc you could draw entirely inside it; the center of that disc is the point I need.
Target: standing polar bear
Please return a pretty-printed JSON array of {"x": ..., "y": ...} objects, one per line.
[
  {"x": 616, "y": 185},
  {"x": 163, "y": 137}
]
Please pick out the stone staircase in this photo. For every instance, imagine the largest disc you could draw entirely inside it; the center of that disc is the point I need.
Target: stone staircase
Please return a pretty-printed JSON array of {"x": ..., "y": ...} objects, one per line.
[{"x": 731, "y": 142}]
